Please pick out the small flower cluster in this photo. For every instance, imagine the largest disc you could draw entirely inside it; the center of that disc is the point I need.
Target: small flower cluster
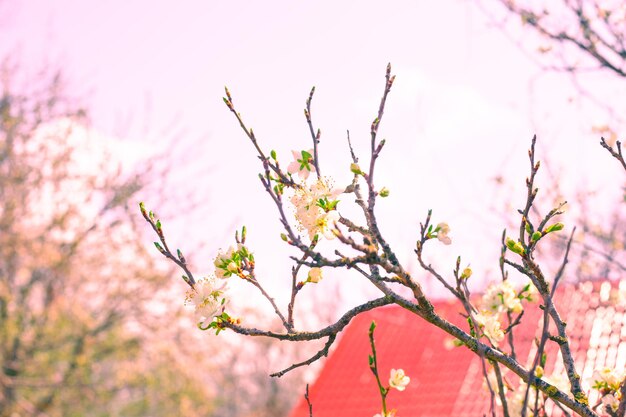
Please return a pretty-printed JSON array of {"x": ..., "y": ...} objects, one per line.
[
  {"x": 207, "y": 297},
  {"x": 491, "y": 327},
  {"x": 608, "y": 383},
  {"x": 498, "y": 299},
  {"x": 502, "y": 297},
  {"x": 316, "y": 208},
  {"x": 233, "y": 262}
]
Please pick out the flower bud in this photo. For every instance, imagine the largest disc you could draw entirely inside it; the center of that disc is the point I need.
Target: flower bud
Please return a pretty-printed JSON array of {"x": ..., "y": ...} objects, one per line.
[
  {"x": 467, "y": 272},
  {"x": 315, "y": 275},
  {"x": 232, "y": 267}
]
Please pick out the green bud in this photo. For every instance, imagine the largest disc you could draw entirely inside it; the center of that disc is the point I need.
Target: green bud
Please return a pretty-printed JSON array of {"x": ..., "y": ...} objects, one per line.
[
  {"x": 527, "y": 226},
  {"x": 467, "y": 272},
  {"x": 372, "y": 326},
  {"x": 284, "y": 237},
  {"x": 355, "y": 169},
  {"x": 159, "y": 247},
  {"x": 555, "y": 228},
  {"x": 514, "y": 246},
  {"x": 384, "y": 192},
  {"x": 273, "y": 154},
  {"x": 536, "y": 236}
]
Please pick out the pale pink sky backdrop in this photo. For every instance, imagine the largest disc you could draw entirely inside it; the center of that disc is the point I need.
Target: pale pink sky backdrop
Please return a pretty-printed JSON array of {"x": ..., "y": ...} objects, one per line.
[{"x": 465, "y": 104}]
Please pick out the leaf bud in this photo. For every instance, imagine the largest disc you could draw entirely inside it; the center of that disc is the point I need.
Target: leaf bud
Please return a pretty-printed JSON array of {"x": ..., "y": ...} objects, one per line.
[
  {"x": 555, "y": 227},
  {"x": 536, "y": 236},
  {"x": 514, "y": 246}
]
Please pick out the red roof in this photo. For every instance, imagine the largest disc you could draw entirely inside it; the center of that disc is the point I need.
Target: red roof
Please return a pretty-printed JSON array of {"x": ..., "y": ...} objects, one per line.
[{"x": 448, "y": 381}]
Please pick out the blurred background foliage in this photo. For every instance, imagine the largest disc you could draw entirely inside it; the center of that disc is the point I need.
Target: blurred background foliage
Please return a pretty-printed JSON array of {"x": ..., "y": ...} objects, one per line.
[{"x": 90, "y": 325}]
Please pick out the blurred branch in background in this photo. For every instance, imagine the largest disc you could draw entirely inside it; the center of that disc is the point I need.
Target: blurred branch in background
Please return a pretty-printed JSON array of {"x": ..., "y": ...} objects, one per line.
[
  {"x": 580, "y": 38},
  {"x": 580, "y": 35},
  {"x": 584, "y": 40}
]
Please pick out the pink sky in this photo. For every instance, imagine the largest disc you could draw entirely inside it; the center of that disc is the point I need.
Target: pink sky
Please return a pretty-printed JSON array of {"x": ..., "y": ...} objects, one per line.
[{"x": 465, "y": 104}]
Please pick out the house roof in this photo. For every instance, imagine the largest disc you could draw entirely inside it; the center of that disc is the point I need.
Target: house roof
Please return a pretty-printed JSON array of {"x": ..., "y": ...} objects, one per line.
[{"x": 448, "y": 381}]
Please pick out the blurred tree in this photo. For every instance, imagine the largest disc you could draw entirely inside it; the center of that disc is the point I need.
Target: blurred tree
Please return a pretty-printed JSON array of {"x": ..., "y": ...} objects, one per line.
[{"x": 79, "y": 294}]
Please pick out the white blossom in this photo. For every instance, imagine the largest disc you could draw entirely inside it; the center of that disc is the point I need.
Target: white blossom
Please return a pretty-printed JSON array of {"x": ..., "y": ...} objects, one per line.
[
  {"x": 490, "y": 325},
  {"x": 207, "y": 298},
  {"x": 398, "y": 379},
  {"x": 442, "y": 233},
  {"x": 613, "y": 379},
  {"x": 221, "y": 262},
  {"x": 302, "y": 163}
]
